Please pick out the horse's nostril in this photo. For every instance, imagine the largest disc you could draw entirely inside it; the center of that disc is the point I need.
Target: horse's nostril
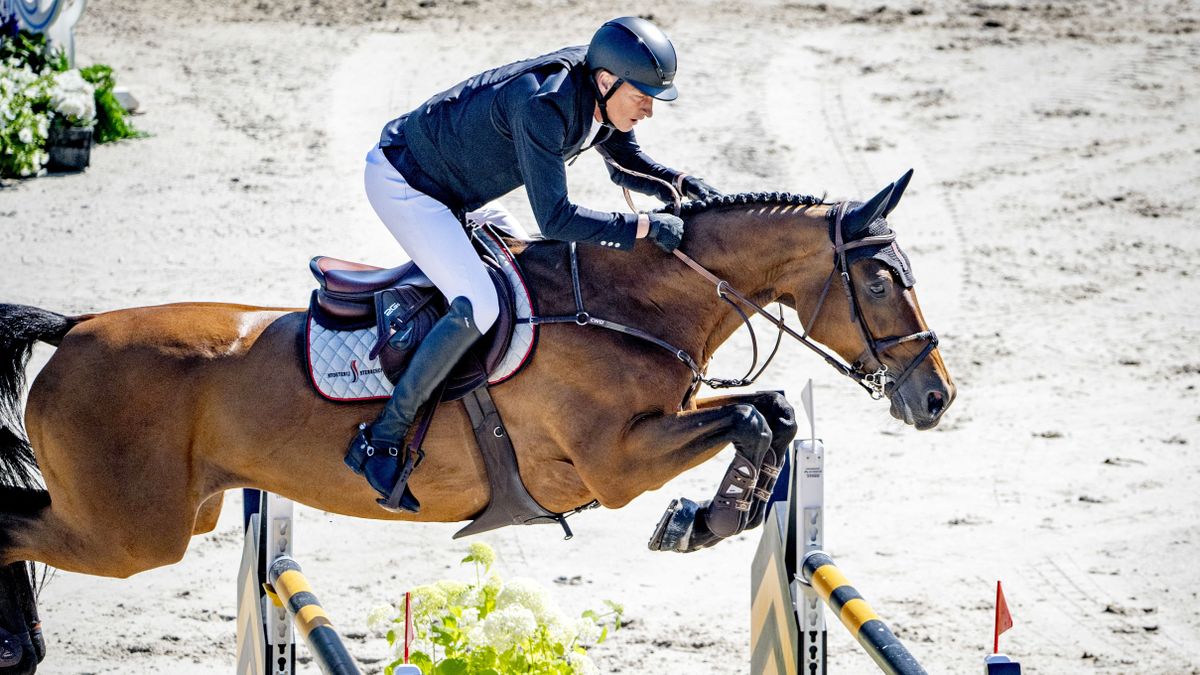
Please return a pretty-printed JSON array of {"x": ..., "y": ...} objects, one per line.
[{"x": 936, "y": 403}]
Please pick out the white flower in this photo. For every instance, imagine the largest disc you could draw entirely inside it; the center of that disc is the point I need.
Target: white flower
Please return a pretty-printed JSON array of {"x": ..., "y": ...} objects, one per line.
[
  {"x": 558, "y": 628},
  {"x": 482, "y": 553},
  {"x": 452, "y": 590},
  {"x": 509, "y": 626},
  {"x": 73, "y": 97},
  {"x": 587, "y": 630},
  {"x": 25, "y": 135},
  {"x": 581, "y": 664},
  {"x": 527, "y": 593},
  {"x": 381, "y": 617}
]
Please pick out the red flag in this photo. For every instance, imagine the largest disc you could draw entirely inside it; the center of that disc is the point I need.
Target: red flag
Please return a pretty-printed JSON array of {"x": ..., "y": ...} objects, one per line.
[
  {"x": 408, "y": 624},
  {"x": 1003, "y": 618}
]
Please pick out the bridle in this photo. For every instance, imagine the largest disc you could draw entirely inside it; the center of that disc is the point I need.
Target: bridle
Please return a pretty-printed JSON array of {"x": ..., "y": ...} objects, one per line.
[{"x": 876, "y": 382}]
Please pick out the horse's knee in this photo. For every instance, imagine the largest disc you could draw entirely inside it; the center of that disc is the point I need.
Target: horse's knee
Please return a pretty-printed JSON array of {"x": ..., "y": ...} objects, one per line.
[
  {"x": 750, "y": 430},
  {"x": 780, "y": 415}
]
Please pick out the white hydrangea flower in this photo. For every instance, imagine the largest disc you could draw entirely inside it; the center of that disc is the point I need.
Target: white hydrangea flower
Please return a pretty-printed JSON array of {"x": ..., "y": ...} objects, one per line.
[
  {"x": 25, "y": 135},
  {"x": 581, "y": 664},
  {"x": 493, "y": 584},
  {"x": 558, "y": 628},
  {"x": 452, "y": 590},
  {"x": 587, "y": 631},
  {"x": 509, "y": 626},
  {"x": 527, "y": 593},
  {"x": 483, "y": 554},
  {"x": 381, "y": 617},
  {"x": 428, "y": 600}
]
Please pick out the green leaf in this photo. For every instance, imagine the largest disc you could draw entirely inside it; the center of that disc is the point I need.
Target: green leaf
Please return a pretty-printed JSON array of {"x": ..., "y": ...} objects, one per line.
[
  {"x": 455, "y": 666},
  {"x": 484, "y": 658},
  {"x": 422, "y": 661},
  {"x": 391, "y": 637}
]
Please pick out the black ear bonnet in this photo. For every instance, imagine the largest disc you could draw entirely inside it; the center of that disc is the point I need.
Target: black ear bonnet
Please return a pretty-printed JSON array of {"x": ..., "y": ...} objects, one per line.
[{"x": 889, "y": 254}]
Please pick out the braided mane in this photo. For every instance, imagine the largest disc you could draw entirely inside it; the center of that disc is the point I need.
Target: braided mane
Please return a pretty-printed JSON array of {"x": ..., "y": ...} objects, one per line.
[{"x": 697, "y": 206}]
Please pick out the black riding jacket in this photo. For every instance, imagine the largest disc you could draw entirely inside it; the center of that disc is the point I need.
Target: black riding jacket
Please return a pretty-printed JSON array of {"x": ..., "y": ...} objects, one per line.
[{"x": 518, "y": 125}]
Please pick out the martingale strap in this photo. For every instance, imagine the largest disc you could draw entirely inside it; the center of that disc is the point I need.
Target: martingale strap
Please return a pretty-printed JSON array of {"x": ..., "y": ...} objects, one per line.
[{"x": 510, "y": 502}]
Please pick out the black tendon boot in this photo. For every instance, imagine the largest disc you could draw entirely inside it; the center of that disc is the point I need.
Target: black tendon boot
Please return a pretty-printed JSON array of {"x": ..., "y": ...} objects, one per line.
[{"x": 377, "y": 450}]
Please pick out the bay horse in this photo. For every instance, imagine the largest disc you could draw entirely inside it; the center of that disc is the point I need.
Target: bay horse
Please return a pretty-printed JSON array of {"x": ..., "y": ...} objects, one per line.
[{"x": 143, "y": 417}]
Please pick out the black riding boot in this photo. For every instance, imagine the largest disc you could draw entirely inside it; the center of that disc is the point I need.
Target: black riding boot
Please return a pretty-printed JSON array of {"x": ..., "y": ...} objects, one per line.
[{"x": 377, "y": 450}]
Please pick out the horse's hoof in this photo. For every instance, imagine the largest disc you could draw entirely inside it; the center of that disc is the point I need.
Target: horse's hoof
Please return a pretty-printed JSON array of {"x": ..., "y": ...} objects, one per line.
[{"x": 674, "y": 529}]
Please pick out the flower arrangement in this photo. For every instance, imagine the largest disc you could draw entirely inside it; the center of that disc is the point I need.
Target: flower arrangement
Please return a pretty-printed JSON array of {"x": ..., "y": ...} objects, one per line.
[
  {"x": 493, "y": 626},
  {"x": 39, "y": 92},
  {"x": 24, "y": 119},
  {"x": 73, "y": 99}
]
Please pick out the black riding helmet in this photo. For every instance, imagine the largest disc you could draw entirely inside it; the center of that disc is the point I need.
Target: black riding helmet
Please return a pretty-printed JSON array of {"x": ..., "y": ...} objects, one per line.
[{"x": 637, "y": 52}]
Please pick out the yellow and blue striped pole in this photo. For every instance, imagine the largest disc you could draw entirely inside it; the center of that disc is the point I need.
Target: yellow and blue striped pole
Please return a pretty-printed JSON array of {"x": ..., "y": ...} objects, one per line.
[
  {"x": 872, "y": 633},
  {"x": 292, "y": 589}
]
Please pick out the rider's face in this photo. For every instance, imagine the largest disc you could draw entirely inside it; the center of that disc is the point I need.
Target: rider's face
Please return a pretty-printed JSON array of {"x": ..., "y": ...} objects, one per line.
[{"x": 626, "y": 107}]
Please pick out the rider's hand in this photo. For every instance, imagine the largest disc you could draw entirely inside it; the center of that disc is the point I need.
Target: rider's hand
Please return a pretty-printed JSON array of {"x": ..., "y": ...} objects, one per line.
[
  {"x": 666, "y": 231},
  {"x": 696, "y": 188}
]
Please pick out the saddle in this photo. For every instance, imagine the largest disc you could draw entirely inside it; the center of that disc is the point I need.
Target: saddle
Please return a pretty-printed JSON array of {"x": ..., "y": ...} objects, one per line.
[
  {"x": 364, "y": 323},
  {"x": 400, "y": 306}
]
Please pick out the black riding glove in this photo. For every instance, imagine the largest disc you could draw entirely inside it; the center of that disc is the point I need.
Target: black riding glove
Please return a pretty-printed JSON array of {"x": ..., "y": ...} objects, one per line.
[
  {"x": 696, "y": 188},
  {"x": 666, "y": 231}
]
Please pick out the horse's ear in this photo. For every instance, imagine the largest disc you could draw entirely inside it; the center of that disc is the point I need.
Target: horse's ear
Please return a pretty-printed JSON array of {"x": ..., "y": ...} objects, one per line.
[
  {"x": 857, "y": 218},
  {"x": 897, "y": 192}
]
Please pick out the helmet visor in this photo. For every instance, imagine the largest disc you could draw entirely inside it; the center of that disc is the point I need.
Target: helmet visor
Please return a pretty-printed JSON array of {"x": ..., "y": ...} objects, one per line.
[{"x": 667, "y": 93}]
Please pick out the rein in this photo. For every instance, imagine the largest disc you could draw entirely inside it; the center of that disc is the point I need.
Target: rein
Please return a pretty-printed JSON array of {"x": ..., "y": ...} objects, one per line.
[{"x": 875, "y": 382}]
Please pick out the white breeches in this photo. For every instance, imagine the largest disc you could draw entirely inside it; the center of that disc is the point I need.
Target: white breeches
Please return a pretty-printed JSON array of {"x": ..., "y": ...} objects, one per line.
[{"x": 429, "y": 232}]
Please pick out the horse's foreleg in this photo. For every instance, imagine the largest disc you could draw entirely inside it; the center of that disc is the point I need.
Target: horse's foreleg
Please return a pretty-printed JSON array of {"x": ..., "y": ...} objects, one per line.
[
  {"x": 781, "y": 418},
  {"x": 741, "y": 501},
  {"x": 659, "y": 448}
]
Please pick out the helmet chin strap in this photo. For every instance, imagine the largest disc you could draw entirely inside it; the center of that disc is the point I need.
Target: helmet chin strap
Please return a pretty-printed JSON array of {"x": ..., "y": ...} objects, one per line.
[{"x": 602, "y": 99}]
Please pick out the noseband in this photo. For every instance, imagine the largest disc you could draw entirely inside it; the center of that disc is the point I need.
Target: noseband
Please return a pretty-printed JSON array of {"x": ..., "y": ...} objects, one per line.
[{"x": 875, "y": 382}]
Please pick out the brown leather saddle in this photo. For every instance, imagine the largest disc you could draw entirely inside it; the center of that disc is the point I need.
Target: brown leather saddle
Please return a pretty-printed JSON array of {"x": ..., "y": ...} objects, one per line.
[{"x": 352, "y": 296}]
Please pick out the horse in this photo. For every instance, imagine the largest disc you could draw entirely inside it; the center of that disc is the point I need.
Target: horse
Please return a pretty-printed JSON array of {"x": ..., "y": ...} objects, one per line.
[{"x": 144, "y": 417}]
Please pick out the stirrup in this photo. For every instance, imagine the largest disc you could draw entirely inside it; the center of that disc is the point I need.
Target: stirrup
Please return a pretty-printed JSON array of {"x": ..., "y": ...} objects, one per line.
[
  {"x": 363, "y": 452},
  {"x": 402, "y": 499}
]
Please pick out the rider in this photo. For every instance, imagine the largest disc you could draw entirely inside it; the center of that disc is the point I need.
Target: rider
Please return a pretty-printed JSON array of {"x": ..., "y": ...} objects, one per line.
[{"x": 513, "y": 125}]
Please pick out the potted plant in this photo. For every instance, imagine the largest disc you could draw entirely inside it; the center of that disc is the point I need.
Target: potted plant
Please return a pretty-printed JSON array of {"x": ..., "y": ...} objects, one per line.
[{"x": 70, "y": 140}]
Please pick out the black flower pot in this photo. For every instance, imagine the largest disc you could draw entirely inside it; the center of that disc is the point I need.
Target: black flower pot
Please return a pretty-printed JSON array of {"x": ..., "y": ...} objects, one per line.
[{"x": 70, "y": 148}]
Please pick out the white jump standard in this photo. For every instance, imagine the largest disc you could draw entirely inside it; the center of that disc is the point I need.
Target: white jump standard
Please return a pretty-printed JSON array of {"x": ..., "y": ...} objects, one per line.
[
  {"x": 792, "y": 578},
  {"x": 271, "y": 587}
]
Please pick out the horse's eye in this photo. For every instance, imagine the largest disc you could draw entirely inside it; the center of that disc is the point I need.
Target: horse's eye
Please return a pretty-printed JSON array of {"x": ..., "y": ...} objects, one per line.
[{"x": 877, "y": 288}]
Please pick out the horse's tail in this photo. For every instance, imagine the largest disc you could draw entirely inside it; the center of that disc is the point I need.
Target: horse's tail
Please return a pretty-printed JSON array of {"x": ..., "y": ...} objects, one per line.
[{"x": 20, "y": 327}]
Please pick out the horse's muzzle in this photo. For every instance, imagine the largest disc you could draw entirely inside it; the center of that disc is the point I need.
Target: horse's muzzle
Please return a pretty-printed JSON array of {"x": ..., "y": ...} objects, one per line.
[{"x": 920, "y": 403}]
